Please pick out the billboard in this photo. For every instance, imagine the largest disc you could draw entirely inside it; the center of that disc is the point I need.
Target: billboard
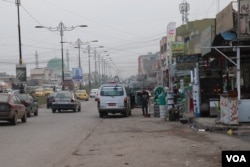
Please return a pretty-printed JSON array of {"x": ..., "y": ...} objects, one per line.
[
  {"x": 244, "y": 19},
  {"x": 21, "y": 75},
  {"x": 224, "y": 19},
  {"x": 77, "y": 74}
]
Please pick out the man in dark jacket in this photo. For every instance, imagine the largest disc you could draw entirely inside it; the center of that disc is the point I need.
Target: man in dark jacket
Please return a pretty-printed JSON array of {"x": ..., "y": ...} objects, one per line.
[{"x": 144, "y": 101}]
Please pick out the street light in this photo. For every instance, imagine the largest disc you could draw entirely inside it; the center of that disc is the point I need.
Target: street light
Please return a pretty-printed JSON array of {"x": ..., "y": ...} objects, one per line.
[
  {"x": 95, "y": 62},
  {"x": 61, "y": 27},
  {"x": 89, "y": 76},
  {"x": 19, "y": 33}
]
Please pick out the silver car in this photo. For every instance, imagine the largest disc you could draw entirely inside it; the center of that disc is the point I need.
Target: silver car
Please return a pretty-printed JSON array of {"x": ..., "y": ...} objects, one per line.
[
  {"x": 65, "y": 100},
  {"x": 113, "y": 98}
]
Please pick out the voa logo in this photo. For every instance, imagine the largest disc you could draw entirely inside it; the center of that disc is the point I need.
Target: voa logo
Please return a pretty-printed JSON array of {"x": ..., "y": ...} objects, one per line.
[{"x": 236, "y": 158}]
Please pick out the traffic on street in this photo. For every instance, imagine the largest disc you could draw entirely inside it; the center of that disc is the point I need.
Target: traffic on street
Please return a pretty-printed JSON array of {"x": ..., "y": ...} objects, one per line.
[{"x": 83, "y": 139}]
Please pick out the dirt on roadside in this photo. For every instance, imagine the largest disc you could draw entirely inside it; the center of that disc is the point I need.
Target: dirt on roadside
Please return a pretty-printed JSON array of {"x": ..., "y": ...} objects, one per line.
[{"x": 150, "y": 142}]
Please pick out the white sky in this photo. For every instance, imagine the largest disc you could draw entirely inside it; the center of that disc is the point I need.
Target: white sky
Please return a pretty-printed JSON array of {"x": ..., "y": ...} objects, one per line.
[{"x": 126, "y": 29}]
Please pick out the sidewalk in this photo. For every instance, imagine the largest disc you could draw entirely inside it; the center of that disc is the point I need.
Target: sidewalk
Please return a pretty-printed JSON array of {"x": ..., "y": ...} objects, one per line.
[{"x": 211, "y": 124}]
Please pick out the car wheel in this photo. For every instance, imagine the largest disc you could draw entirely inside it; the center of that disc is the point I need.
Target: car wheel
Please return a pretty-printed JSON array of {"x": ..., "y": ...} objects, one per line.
[
  {"x": 74, "y": 110},
  {"x": 24, "y": 119},
  {"x": 36, "y": 112},
  {"x": 125, "y": 113},
  {"x": 28, "y": 113},
  {"x": 14, "y": 119},
  {"x": 53, "y": 110},
  {"x": 79, "y": 109},
  {"x": 101, "y": 115},
  {"x": 47, "y": 105}
]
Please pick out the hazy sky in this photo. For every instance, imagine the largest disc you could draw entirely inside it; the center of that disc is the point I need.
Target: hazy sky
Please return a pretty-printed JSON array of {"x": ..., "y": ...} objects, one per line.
[{"x": 126, "y": 29}]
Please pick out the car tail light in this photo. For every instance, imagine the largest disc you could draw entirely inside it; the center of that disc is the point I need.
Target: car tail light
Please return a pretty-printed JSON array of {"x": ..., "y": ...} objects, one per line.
[
  {"x": 125, "y": 99},
  {"x": 26, "y": 103},
  {"x": 72, "y": 100}
]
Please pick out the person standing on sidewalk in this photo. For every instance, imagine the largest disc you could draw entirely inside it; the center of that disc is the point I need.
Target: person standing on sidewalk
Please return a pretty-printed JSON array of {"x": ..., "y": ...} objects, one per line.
[{"x": 144, "y": 102}]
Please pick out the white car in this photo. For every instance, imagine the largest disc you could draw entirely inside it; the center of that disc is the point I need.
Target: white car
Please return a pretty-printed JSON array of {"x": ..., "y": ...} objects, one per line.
[
  {"x": 113, "y": 98},
  {"x": 93, "y": 93}
]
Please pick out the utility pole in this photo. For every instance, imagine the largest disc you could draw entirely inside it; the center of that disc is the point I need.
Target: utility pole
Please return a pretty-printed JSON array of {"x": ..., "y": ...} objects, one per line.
[{"x": 89, "y": 67}]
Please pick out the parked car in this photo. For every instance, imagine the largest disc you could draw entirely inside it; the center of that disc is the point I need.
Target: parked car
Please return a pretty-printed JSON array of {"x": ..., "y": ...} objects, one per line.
[
  {"x": 82, "y": 95},
  {"x": 50, "y": 99},
  {"x": 11, "y": 108},
  {"x": 93, "y": 93},
  {"x": 30, "y": 103},
  {"x": 65, "y": 100},
  {"x": 113, "y": 98}
]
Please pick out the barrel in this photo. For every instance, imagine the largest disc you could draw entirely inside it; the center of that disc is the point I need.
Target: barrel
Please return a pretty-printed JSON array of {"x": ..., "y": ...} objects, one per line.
[
  {"x": 170, "y": 100},
  {"x": 156, "y": 111},
  {"x": 162, "y": 111}
]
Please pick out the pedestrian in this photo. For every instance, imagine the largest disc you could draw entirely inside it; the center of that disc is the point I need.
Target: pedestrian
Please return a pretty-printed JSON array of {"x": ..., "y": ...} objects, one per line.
[{"x": 144, "y": 101}]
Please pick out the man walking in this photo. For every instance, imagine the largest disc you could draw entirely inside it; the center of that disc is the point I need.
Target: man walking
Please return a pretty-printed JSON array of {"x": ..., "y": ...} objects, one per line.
[{"x": 144, "y": 102}]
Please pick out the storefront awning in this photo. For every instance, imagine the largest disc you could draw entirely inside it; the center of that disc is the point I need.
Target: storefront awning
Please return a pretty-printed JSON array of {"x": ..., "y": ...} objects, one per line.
[
  {"x": 224, "y": 36},
  {"x": 228, "y": 36}
]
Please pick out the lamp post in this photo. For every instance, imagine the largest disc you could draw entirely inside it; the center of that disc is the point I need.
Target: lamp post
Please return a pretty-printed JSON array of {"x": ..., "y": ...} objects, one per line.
[
  {"x": 61, "y": 28},
  {"x": 89, "y": 76},
  {"x": 95, "y": 63},
  {"x": 19, "y": 32}
]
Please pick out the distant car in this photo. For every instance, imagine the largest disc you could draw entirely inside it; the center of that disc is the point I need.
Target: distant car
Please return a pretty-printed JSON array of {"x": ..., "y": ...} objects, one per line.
[
  {"x": 65, "y": 100},
  {"x": 113, "y": 98},
  {"x": 30, "y": 103},
  {"x": 47, "y": 91},
  {"x": 97, "y": 95},
  {"x": 39, "y": 92},
  {"x": 82, "y": 95},
  {"x": 93, "y": 93},
  {"x": 11, "y": 108},
  {"x": 50, "y": 99}
]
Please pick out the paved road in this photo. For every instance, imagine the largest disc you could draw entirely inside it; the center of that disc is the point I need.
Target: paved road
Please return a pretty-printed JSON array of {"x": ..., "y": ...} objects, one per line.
[
  {"x": 46, "y": 139},
  {"x": 83, "y": 139}
]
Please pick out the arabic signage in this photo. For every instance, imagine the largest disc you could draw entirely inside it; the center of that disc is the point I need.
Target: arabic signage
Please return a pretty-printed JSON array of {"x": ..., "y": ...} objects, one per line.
[
  {"x": 224, "y": 19},
  {"x": 77, "y": 74},
  {"x": 186, "y": 62},
  {"x": 171, "y": 31},
  {"x": 177, "y": 48},
  {"x": 244, "y": 21},
  {"x": 21, "y": 75}
]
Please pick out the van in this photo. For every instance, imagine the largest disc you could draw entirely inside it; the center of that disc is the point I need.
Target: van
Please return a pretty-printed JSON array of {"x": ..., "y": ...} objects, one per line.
[{"x": 113, "y": 98}]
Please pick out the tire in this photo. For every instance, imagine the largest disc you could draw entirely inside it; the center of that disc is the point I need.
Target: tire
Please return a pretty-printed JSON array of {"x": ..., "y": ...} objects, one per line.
[
  {"x": 125, "y": 113},
  {"x": 47, "y": 105},
  {"x": 28, "y": 114},
  {"x": 53, "y": 110},
  {"x": 14, "y": 120},
  {"x": 36, "y": 112},
  {"x": 79, "y": 109},
  {"x": 24, "y": 119},
  {"x": 101, "y": 115}
]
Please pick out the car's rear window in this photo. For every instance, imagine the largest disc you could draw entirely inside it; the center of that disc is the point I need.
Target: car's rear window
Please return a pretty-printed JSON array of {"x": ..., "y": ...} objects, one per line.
[
  {"x": 4, "y": 98},
  {"x": 63, "y": 95},
  {"x": 112, "y": 91}
]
